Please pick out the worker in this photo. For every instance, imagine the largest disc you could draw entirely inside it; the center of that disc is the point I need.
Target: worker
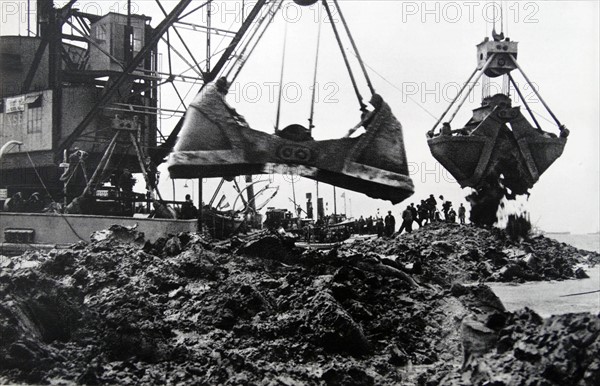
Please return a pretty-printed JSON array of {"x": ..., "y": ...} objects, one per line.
[
  {"x": 452, "y": 215},
  {"x": 361, "y": 225},
  {"x": 35, "y": 204},
  {"x": 307, "y": 229},
  {"x": 446, "y": 209},
  {"x": 188, "y": 210},
  {"x": 75, "y": 158},
  {"x": 380, "y": 227},
  {"x": 423, "y": 212},
  {"x": 126, "y": 182},
  {"x": 432, "y": 206},
  {"x": 152, "y": 173},
  {"x": 407, "y": 220},
  {"x": 15, "y": 203},
  {"x": 390, "y": 224},
  {"x": 462, "y": 211},
  {"x": 370, "y": 225},
  {"x": 414, "y": 212}
]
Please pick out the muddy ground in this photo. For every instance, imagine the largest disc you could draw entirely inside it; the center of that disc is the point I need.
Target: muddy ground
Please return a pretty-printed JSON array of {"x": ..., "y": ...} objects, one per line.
[{"x": 258, "y": 311}]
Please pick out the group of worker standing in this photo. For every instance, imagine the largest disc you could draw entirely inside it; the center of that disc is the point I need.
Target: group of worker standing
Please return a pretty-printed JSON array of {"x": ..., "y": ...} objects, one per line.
[{"x": 424, "y": 213}]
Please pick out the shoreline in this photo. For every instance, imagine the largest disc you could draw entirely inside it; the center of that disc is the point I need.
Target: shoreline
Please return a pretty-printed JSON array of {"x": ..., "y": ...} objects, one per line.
[{"x": 547, "y": 298}]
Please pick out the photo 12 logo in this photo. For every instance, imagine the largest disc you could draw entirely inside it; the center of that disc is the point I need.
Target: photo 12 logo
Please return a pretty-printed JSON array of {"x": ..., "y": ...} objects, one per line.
[
  {"x": 427, "y": 172},
  {"x": 469, "y": 11},
  {"x": 290, "y": 92},
  {"x": 437, "y": 92},
  {"x": 229, "y": 12},
  {"x": 24, "y": 10}
]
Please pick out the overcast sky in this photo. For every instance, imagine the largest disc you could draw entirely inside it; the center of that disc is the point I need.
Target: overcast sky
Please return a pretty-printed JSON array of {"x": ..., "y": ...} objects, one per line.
[{"x": 418, "y": 53}]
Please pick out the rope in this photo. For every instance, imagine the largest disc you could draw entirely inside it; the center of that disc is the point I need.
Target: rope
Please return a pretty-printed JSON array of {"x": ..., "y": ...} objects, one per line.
[
  {"x": 71, "y": 227},
  {"x": 399, "y": 89},
  {"x": 73, "y": 174},
  {"x": 38, "y": 176},
  {"x": 363, "y": 107},
  {"x": 542, "y": 116},
  {"x": 50, "y": 195}
]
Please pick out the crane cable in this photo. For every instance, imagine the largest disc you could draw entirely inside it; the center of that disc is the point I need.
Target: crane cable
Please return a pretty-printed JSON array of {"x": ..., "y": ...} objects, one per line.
[
  {"x": 273, "y": 12},
  {"x": 239, "y": 56},
  {"x": 363, "y": 107},
  {"x": 505, "y": 78},
  {"x": 501, "y": 17},
  {"x": 281, "y": 80},
  {"x": 494, "y": 17},
  {"x": 357, "y": 54},
  {"x": 314, "y": 85}
]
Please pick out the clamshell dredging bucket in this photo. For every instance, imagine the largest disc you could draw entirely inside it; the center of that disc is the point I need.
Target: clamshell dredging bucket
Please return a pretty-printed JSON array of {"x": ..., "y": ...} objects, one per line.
[
  {"x": 487, "y": 147},
  {"x": 216, "y": 142}
]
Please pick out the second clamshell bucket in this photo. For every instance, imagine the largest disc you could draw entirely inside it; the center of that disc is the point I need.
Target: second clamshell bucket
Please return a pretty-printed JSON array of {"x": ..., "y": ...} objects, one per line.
[{"x": 497, "y": 141}]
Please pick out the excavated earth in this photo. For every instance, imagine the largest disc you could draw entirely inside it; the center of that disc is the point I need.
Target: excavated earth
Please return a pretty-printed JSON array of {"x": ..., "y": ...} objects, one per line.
[{"x": 409, "y": 310}]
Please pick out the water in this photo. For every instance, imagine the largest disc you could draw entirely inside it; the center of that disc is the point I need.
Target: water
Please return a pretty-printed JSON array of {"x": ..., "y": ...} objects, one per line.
[
  {"x": 548, "y": 298},
  {"x": 589, "y": 242}
]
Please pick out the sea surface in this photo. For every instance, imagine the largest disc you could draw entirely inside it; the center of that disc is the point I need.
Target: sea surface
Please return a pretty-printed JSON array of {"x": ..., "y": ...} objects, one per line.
[
  {"x": 557, "y": 297},
  {"x": 589, "y": 242}
]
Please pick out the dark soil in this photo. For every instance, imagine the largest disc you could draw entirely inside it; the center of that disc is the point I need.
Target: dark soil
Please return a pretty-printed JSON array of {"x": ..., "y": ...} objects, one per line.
[{"x": 257, "y": 311}]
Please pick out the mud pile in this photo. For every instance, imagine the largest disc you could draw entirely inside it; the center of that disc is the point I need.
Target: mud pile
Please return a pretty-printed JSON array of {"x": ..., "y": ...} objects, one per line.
[
  {"x": 257, "y": 311},
  {"x": 444, "y": 253},
  {"x": 561, "y": 350}
]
